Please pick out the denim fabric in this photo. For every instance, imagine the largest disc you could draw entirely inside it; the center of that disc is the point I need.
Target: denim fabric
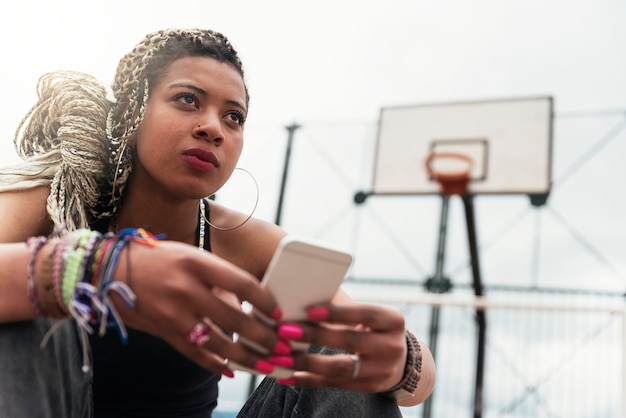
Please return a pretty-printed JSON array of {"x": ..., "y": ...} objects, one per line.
[
  {"x": 271, "y": 400},
  {"x": 43, "y": 383}
]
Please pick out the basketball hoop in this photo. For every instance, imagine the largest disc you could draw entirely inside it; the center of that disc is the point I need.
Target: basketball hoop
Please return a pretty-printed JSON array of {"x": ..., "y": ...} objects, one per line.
[{"x": 451, "y": 170}]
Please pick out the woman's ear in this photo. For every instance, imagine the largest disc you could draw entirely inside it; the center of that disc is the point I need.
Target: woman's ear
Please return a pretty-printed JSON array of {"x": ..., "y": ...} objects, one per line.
[{"x": 131, "y": 141}]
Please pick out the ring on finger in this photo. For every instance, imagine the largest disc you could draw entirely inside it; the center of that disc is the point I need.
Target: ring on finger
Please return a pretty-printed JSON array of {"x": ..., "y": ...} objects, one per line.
[
  {"x": 356, "y": 366},
  {"x": 199, "y": 334}
]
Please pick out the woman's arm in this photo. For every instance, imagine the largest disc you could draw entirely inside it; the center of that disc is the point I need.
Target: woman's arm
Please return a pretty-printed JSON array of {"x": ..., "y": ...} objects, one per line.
[
  {"x": 23, "y": 215},
  {"x": 174, "y": 284}
]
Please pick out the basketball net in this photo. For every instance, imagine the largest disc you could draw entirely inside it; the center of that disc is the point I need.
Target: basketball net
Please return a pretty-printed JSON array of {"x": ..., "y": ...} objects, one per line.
[{"x": 444, "y": 168}]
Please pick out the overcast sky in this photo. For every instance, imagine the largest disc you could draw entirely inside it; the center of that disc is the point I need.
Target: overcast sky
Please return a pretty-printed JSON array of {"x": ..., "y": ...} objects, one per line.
[{"x": 342, "y": 60}]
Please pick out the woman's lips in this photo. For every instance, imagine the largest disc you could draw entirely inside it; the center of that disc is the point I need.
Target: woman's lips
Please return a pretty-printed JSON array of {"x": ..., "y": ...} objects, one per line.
[{"x": 201, "y": 160}]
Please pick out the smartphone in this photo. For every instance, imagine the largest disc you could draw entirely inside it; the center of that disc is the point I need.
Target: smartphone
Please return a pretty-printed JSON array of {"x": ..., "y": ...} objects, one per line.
[{"x": 303, "y": 272}]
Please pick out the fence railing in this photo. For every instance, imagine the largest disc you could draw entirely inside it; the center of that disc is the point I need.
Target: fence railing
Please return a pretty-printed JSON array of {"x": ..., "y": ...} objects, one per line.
[{"x": 546, "y": 355}]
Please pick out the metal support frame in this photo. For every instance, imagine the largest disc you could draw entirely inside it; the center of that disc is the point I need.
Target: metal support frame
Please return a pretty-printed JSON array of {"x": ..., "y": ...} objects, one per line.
[{"x": 481, "y": 321}]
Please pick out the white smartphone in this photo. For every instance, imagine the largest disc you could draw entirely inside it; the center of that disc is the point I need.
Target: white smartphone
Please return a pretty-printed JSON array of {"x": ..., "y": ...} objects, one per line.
[{"x": 302, "y": 273}]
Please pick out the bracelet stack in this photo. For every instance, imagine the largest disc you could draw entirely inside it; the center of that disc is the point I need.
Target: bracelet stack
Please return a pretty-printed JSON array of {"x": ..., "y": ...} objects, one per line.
[
  {"x": 75, "y": 279},
  {"x": 412, "y": 370}
]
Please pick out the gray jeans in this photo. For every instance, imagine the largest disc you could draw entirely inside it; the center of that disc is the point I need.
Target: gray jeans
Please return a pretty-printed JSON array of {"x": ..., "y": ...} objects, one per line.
[
  {"x": 50, "y": 383},
  {"x": 271, "y": 400}
]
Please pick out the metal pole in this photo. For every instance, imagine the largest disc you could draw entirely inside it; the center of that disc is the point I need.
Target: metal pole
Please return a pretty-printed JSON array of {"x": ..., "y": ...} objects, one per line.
[
  {"x": 281, "y": 196},
  {"x": 437, "y": 284},
  {"x": 279, "y": 211},
  {"x": 480, "y": 313}
]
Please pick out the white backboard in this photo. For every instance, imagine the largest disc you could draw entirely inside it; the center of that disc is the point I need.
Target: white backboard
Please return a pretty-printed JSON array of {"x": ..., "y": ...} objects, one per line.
[{"x": 509, "y": 142}]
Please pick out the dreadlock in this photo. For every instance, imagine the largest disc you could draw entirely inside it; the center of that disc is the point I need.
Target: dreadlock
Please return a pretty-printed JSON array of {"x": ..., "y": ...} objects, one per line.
[{"x": 73, "y": 139}]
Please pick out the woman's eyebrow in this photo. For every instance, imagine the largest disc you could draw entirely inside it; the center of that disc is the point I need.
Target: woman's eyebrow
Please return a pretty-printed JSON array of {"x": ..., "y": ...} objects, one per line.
[
  {"x": 189, "y": 86},
  {"x": 203, "y": 92}
]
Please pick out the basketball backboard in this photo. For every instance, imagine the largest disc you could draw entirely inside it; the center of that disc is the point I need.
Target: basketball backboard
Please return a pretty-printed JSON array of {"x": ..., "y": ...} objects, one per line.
[{"x": 509, "y": 144}]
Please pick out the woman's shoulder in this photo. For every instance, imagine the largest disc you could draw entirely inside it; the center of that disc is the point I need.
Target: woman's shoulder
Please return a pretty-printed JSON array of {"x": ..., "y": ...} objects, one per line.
[
  {"x": 250, "y": 246},
  {"x": 24, "y": 214}
]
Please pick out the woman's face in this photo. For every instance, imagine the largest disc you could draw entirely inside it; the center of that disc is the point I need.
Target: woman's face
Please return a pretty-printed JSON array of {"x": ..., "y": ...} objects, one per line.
[{"x": 191, "y": 136}]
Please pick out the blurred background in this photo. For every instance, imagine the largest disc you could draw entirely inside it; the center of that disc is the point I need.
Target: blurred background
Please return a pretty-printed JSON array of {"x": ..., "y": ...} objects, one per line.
[{"x": 546, "y": 337}]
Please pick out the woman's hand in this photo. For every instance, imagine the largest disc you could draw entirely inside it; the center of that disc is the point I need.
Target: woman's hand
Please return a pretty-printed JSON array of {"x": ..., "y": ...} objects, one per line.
[
  {"x": 185, "y": 297},
  {"x": 373, "y": 339},
  {"x": 372, "y": 333}
]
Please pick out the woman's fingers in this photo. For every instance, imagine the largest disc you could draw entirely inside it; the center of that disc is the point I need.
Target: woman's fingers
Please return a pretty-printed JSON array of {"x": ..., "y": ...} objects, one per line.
[
  {"x": 377, "y": 318},
  {"x": 191, "y": 300},
  {"x": 215, "y": 271},
  {"x": 352, "y": 328},
  {"x": 371, "y": 338},
  {"x": 173, "y": 280},
  {"x": 348, "y": 371}
]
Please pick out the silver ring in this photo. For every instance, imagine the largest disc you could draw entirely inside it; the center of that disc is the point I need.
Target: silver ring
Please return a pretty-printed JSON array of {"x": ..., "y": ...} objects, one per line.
[{"x": 356, "y": 365}]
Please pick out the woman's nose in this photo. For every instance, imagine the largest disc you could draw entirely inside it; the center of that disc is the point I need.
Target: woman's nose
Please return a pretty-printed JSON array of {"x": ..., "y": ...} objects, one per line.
[{"x": 209, "y": 131}]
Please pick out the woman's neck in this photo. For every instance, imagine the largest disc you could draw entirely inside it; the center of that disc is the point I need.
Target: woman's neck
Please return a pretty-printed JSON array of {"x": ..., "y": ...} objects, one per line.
[{"x": 178, "y": 220}]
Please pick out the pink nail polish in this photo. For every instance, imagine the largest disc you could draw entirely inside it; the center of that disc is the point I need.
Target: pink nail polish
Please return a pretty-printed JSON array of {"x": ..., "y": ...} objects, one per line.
[
  {"x": 290, "y": 332},
  {"x": 228, "y": 373},
  {"x": 282, "y": 348},
  {"x": 318, "y": 313},
  {"x": 277, "y": 314},
  {"x": 282, "y": 361},
  {"x": 286, "y": 382},
  {"x": 264, "y": 367}
]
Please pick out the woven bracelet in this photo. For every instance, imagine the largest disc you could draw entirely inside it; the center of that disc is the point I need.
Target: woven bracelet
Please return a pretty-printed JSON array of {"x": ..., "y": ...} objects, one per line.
[{"x": 412, "y": 370}]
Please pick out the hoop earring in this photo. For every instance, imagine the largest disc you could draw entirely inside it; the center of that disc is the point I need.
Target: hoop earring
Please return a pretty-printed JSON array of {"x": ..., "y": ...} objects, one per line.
[{"x": 256, "y": 202}]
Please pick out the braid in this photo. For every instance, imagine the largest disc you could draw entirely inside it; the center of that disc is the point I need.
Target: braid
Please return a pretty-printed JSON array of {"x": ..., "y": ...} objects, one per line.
[{"x": 63, "y": 144}]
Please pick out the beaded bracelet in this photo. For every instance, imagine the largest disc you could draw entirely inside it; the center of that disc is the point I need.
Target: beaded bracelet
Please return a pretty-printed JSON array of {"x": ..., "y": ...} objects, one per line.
[
  {"x": 76, "y": 263},
  {"x": 412, "y": 370}
]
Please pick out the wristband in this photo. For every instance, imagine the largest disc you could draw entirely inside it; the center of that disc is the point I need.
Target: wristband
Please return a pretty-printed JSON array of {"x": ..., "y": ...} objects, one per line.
[{"x": 412, "y": 369}]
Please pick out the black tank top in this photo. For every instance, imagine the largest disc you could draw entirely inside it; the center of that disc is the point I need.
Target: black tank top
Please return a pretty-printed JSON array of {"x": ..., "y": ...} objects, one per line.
[{"x": 147, "y": 377}]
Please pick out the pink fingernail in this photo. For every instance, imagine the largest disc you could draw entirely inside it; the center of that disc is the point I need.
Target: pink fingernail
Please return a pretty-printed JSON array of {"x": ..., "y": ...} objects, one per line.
[
  {"x": 290, "y": 332},
  {"x": 264, "y": 367},
  {"x": 286, "y": 382},
  {"x": 318, "y": 313},
  {"x": 277, "y": 314},
  {"x": 282, "y": 348},
  {"x": 228, "y": 373},
  {"x": 282, "y": 361}
]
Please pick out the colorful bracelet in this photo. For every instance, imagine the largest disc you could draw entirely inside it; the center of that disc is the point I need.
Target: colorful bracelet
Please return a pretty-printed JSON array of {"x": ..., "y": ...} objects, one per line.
[{"x": 77, "y": 277}]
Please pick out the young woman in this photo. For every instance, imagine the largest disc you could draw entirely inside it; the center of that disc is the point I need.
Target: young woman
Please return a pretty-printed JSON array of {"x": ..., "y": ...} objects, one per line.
[{"x": 107, "y": 306}]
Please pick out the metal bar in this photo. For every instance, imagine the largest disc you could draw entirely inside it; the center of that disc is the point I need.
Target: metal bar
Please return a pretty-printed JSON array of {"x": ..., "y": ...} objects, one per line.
[
  {"x": 468, "y": 200},
  {"x": 435, "y": 287}
]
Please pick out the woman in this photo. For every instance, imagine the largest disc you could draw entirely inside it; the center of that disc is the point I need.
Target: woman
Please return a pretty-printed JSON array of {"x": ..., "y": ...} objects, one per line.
[{"x": 146, "y": 160}]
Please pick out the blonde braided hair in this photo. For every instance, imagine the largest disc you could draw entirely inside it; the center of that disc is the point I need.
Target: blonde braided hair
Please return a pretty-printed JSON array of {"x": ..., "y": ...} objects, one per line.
[
  {"x": 74, "y": 139},
  {"x": 62, "y": 144}
]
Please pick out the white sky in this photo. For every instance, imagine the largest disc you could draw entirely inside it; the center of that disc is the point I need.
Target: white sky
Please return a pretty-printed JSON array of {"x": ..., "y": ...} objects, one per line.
[{"x": 342, "y": 60}]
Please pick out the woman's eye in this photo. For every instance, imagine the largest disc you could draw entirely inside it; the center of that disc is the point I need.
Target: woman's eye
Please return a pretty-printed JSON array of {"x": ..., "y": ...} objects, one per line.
[
  {"x": 237, "y": 117},
  {"x": 186, "y": 98}
]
